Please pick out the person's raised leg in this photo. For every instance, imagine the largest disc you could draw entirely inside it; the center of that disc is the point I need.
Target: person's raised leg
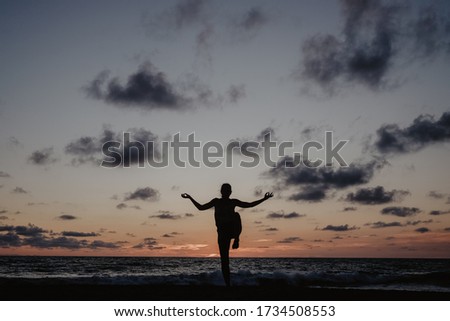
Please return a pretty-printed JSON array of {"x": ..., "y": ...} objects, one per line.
[{"x": 224, "y": 249}]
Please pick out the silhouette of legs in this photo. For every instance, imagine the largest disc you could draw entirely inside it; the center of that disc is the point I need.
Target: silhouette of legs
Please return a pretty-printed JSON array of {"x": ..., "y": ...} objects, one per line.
[
  {"x": 224, "y": 249},
  {"x": 237, "y": 229}
]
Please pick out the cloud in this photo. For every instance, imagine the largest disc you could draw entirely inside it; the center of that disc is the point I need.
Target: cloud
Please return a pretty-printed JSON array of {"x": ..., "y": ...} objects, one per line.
[
  {"x": 281, "y": 214},
  {"x": 429, "y": 33},
  {"x": 149, "y": 243},
  {"x": 42, "y": 157},
  {"x": 424, "y": 131},
  {"x": 349, "y": 209},
  {"x": 3, "y": 211},
  {"x": 422, "y": 230},
  {"x": 35, "y": 236},
  {"x": 166, "y": 215},
  {"x": 147, "y": 89},
  {"x": 316, "y": 194},
  {"x": 140, "y": 145},
  {"x": 271, "y": 229},
  {"x": 121, "y": 206},
  {"x": 375, "y": 195},
  {"x": 439, "y": 212},
  {"x": 235, "y": 93},
  {"x": 436, "y": 195},
  {"x": 143, "y": 194},
  {"x": 376, "y": 37},
  {"x": 339, "y": 228},
  {"x": 3, "y": 217},
  {"x": 380, "y": 224},
  {"x": 4, "y": 174},
  {"x": 9, "y": 240},
  {"x": 67, "y": 217},
  {"x": 247, "y": 26},
  {"x": 400, "y": 211},
  {"x": 102, "y": 244},
  {"x": 291, "y": 239},
  {"x": 19, "y": 190},
  {"x": 313, "y": 183},
  {"x": 78, "y": 234}
]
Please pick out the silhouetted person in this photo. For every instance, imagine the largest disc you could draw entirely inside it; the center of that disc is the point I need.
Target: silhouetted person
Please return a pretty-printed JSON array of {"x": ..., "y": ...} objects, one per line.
[{"x": 228, "y": 222}]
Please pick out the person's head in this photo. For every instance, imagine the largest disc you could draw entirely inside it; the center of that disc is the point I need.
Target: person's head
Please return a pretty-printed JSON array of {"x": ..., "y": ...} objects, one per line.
[{"x": 225, "y": 190}]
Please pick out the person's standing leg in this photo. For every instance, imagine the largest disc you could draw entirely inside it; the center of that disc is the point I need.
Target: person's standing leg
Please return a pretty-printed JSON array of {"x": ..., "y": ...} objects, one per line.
[
  {"x": 224, "y": 249},
  {"x": 237, "y": 229}
]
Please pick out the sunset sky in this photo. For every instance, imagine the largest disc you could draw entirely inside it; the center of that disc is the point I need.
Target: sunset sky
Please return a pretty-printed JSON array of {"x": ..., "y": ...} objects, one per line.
[{"x": 75, "y": 74}]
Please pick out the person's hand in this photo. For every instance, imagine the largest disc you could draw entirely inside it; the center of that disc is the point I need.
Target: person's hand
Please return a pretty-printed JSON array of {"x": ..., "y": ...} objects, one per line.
[
  {"x": 185, "y": 195},
  {"x": 268, "y": 195}
]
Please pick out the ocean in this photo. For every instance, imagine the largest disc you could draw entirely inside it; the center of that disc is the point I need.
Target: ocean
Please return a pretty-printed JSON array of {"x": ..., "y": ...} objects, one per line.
[{"x": 380, "y": 274}]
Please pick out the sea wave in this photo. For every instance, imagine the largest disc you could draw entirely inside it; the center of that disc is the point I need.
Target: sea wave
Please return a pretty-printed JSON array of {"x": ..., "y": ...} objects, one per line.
[{"x": 435, "y": 281}]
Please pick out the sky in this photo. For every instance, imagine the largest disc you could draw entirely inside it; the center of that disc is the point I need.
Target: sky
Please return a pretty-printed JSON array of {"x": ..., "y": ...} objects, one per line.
[{"x": 76, "y": 75}]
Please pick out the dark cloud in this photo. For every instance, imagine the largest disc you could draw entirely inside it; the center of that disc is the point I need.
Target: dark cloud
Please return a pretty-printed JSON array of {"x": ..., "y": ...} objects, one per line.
[
  {"x": 429, "y": 33},
  {"x": 3, "y": 217},
  {"x": 19, "y": 190},
  {"x": 400, "y": 211},
  {"x": 41, "y": 241},
  {"x": 339, "y": 228},
  {"x": 102, "y": 244},
  {"x": 35, "y": 236},
  {"x": 4, "y": 174},
  {"x": 149, "y": 243},
  {"x": 376, "y": 37},
  {"x": 291, "y": 239},
  {"x": 143, "y": 194},
  {"x": 121, "y": 206},
  {"x": 313, "y": 183},
  {"x": 439, "y": 212},
  {"x": 78, "y": 234},
  {"x": 364, "y": 53},
  {"x": 147, "y": 89},
  {"x": 348, "y": 209},
  {"x": 167, "y": 235},
  {"x": 424, "y": 131},
  {"x": 189, "y": 215},
  {"x": 42, "y": 157},
  {"x": 166, "y": 215},
  {"x": 30, "y": 230},
  {"x": 436, "y": 195},
  {"x": 271, "y": 229},
  {"x": 422, "y": 230},
  {"x": 9, "y": 240},
  {"x": 447, "y": 229},
  {"x": 67, "y": 217},
  {"x": 247, "y": 26},
  {"x": 3, "y": 211},
  {"x": 139, "y": 146},
  {"x": 380, "y": 224},
  {"x": 281, "y": 214},
  {"x": 375, "y": 195},
  {"x": 418, "y": 222},
  {"x": 316, "y": 194}
]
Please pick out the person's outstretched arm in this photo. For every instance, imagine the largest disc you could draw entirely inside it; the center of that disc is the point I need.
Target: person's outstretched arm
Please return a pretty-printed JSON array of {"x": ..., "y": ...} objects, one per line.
[
  {"x": 252, "y": 204},
  {"x": 197, "y": 204}
]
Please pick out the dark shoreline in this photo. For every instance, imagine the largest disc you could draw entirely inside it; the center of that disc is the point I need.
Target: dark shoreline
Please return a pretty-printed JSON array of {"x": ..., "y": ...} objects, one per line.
[{"x": 25, "y": 291}]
